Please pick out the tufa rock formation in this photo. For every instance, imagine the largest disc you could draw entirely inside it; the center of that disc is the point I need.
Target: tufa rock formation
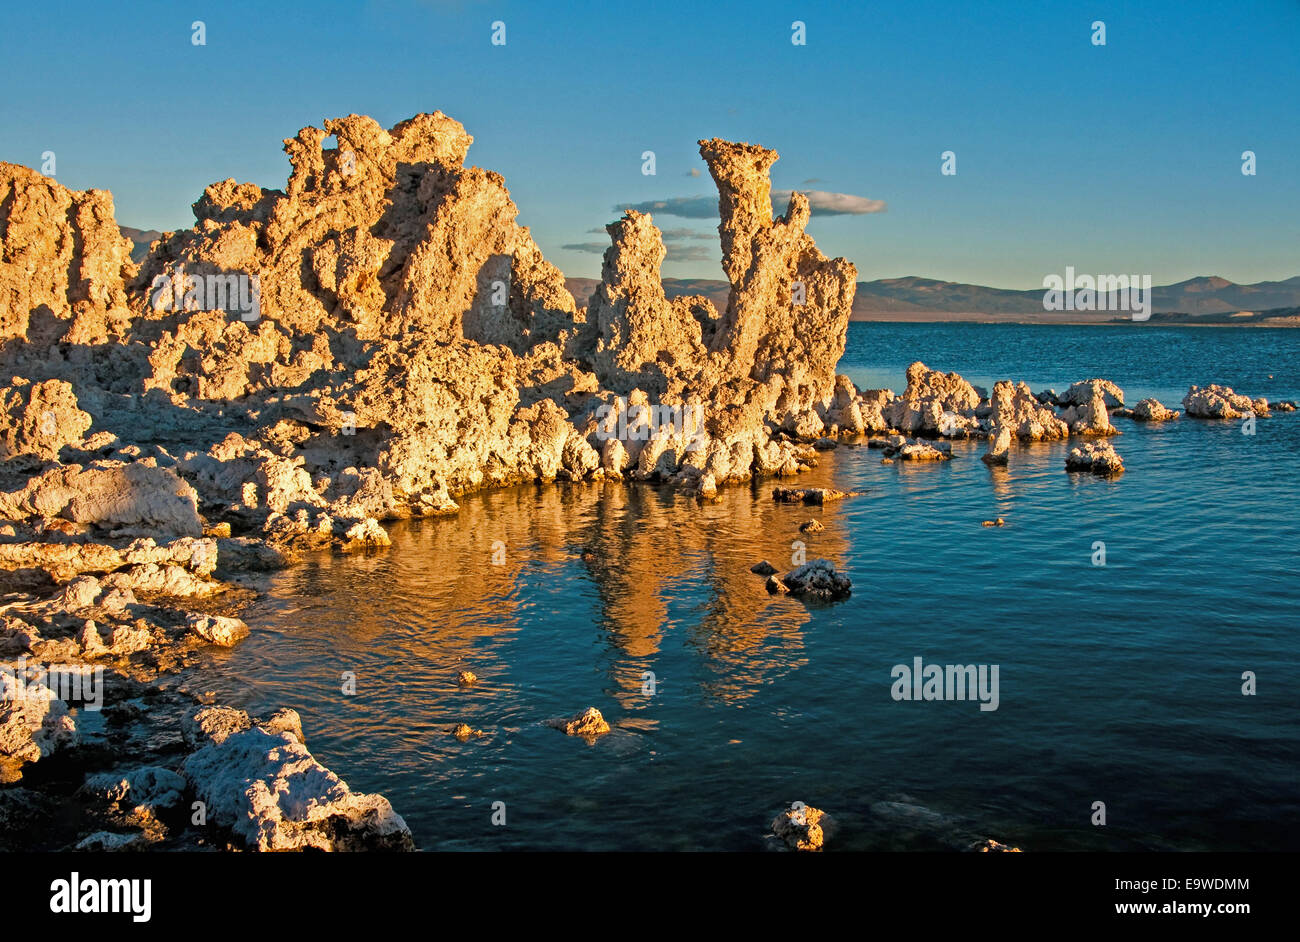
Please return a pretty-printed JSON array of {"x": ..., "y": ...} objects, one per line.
[{"x": 382, "y": 335}]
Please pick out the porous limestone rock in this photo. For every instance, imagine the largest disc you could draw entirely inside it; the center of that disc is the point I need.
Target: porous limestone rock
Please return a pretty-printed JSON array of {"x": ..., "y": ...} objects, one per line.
[
  {"x": 262, "y": 784},
  {"x": 39, "y": 418},
  {"x": 588, "y": 724},
  {"x": 801, "y": 827},
  {"x": 382, "y": 335},
  {"x": 1090, "y": 416},
  {"x": 932, "y": 403},
  {"x": 1217, "y": 402},
  {"x": 1095, "y": 457},
  {"x": 1082, "y": 393},
  {"x": 999, "y": 451},
  {"x": 220, "y": 630},
  {"x": 33, "y": 722},
  {"x": 1015, "y": 408},
  {"x": 817, "y": 579},
  {"x": 1152, "y": 410}
]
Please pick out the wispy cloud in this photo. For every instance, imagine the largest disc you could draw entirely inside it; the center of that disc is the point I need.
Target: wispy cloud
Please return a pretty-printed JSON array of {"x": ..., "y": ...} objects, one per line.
[
  {"x": 679, "y": 235},
  {"x": 688, "y": 207},
  {"x": 822, "y": 203},
  {"x": 831, "y": 204},
  {"x": 680, "y": 245}
]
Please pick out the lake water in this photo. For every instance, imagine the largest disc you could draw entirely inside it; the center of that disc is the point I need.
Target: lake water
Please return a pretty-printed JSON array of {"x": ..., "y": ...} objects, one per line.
[{"x": 1119, "y": 683}]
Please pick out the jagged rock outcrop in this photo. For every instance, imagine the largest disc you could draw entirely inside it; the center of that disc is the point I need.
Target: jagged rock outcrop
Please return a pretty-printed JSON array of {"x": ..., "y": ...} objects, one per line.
[
  {"x": 38, "y": 419},
  {"x": 64, "y": 263}
]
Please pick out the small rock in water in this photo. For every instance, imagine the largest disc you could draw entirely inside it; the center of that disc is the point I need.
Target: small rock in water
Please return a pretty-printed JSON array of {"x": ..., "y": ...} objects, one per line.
[
  {"x": 1152, "y": 410},
  {"x": 1097, "y": 458},
  {"x": 999, "y": 522},
  {"x": 466, "y": 678},
  {"x": 802, "y": 827},
  {"x": 817, "y": 579},
  {"x": 1219, "y": 402},
  {"x": 763, "y": 568},
  {"x": 999, "y": 447},
  {"x": 811, "y": 526},
  {"x": 809, "y": 495},
  {"x": 775, "y": 586},
  {"x": 988, "y": 845},
  {"x": 589, "y": 724},
  {"x": 463, "y": 731}
]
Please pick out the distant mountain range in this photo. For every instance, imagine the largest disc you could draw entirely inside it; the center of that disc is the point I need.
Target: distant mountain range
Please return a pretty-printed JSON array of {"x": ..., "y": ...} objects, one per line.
[
  {"x": 142, "y": 238},
  {"x": 1205, "y": 300}
]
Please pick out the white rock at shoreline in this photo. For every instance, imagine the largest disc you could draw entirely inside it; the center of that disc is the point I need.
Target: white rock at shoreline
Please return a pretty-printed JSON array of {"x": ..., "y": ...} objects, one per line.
[{"x": 265, "y": 787}]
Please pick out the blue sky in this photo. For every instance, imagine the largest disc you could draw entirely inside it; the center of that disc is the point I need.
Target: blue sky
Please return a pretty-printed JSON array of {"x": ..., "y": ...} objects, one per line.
[{"x": 1122, "y": 158}]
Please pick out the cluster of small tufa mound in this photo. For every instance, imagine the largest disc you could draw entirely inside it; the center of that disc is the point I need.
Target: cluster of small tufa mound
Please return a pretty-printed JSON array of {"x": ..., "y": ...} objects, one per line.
[{"x": 1098, "y": 458}]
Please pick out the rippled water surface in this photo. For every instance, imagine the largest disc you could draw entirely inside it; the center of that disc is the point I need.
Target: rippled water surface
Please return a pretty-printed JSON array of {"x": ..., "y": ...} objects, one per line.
[{"x": 1119, "y": 683}]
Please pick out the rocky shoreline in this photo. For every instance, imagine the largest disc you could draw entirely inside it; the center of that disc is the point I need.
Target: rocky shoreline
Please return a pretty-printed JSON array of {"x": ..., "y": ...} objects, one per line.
[{"x": 367, "y": 345}]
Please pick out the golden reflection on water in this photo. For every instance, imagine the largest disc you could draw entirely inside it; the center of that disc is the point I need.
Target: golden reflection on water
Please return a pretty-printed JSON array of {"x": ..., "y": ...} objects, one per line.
[{"x": 654, "y": 569}]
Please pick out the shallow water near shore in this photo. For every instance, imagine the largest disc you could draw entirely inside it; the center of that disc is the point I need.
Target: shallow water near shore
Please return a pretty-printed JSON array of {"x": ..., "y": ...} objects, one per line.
[{"x": 1119, "y": 684}]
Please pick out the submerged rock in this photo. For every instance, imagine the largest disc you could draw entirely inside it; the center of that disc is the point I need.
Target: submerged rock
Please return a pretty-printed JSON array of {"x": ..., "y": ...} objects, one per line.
[
  {"x": 990, "y": 846},
  {"x": 811, "y": 526},
  {"x": 919, "y": 451},
  {"x": 1097, "y": 458},
  {"x": 809, "y": 495},
  {"x": 464, "y": 732}
]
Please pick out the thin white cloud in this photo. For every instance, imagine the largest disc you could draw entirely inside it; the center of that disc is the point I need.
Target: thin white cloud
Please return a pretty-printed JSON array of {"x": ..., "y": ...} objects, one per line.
[{"x": 823, "y": 203}]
